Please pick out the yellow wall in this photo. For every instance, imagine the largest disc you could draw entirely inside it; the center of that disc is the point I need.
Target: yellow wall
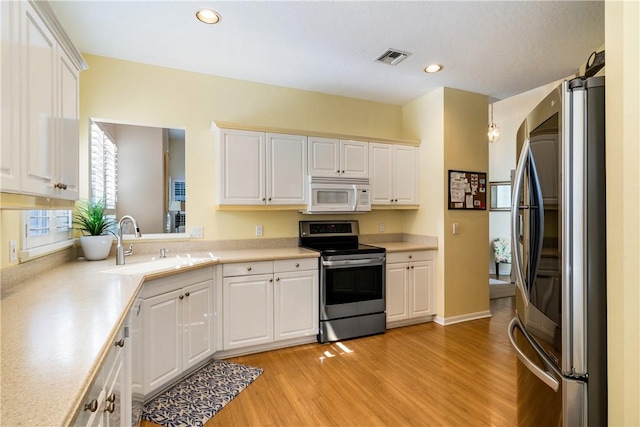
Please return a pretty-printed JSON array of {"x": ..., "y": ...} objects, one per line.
[
  {"x": 452, "y": 126},
  {"x": 622, "y": 38},
  {"x": 423, "y": 119},
  {"x": 466, "y": 254},
  {"x": 132, "y": 93}
]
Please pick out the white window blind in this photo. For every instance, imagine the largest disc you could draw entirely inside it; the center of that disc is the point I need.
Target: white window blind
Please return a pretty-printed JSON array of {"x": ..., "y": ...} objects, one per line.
[
  {"x": 44, "y": 227},
  {"x": 104, "y": 167}
]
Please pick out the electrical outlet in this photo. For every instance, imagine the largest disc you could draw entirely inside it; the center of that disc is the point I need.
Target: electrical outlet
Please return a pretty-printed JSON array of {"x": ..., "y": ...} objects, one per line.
[
  {"x": 197, "y": 231},
  {"x": 258, "y": 230},
  {"x": 13, "y": 251},
  {"x": 381, "y": 227},
  {"x": 456, "y": 228}
]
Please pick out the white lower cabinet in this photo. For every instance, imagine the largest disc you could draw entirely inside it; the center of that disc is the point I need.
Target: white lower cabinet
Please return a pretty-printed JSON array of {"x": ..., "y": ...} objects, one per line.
[
  {"x": 108, "y": 403},
  {"x": 409, "y": 283},
  {"x": 269, "y": 301},
  {"x": 177, "y": 328}
]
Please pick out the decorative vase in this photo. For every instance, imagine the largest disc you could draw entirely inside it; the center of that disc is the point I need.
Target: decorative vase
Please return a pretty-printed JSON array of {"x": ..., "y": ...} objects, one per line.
[{"x": 96, "y": 248}]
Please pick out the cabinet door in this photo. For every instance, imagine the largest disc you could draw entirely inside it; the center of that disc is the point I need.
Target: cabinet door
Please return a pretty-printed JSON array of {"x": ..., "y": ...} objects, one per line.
[
  {"x": 38, "y": 101},
  {"x": 91, "y": 409},
  {"x": 114, "y": 392},
  {"x": 162, "y": 339},
  {"x": 286, "y": 169},
  {"x": 296, "y": 304},
  {"x": 381, "y": 177},
  {"x": 198, "y": 326},
  {"x": 354, "y": 158},
  {"x": 248, "y": 310},
  {"x": 67, "y": 151},
  {"x": 397, "y": 293},
  {"x": 405, "y": 171},
  {"x": 242, "y": 166},
  {"x": 324, "y": 157},
  {"x": 421, "y": 280},
  {"x": 10, "y": 96}
]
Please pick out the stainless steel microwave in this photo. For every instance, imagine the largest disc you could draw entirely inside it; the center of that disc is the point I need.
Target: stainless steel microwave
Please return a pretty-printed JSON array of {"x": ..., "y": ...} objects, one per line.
[{"x": 338, "y": 195}]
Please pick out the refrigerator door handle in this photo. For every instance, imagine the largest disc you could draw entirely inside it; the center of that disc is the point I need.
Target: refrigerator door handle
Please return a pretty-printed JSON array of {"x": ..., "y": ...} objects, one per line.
[
  {"x": 515, "y": 220},
  {"x": 545, "y": 376}
]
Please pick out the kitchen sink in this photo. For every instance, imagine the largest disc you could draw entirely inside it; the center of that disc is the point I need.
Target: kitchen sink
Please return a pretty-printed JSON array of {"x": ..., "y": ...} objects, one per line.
[{"x": 157, "y": 265}]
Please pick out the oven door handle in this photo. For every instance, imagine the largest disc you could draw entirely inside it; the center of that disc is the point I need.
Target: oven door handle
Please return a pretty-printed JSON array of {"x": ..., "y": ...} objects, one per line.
[{"x": 349, "y": 262}]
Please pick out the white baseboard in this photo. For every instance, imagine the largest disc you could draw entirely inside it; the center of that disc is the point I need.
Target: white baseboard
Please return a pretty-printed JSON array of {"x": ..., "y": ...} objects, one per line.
[{"x": 461, "y": 318}]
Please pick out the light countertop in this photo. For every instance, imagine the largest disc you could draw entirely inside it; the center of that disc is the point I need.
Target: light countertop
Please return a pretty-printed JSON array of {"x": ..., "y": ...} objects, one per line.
[{"x": 58, "y": 327}]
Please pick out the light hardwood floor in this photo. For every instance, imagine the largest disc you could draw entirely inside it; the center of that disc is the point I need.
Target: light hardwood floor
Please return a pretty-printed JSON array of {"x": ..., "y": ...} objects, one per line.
[{"x": 428, "y": 375}]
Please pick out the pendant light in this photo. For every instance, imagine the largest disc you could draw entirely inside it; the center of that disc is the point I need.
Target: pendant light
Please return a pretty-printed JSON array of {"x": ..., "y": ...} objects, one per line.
[{"x": 494, "y": 130}]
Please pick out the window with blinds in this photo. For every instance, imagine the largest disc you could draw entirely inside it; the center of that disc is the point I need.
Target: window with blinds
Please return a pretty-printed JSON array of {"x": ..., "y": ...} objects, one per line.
[
  {"x": 104, "y": 167},
  {"x": 45, "y": 227}
]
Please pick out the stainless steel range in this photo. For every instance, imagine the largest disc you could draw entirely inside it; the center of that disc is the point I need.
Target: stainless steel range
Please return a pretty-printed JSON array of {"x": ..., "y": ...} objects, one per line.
[{"x": 352, "y": 280}]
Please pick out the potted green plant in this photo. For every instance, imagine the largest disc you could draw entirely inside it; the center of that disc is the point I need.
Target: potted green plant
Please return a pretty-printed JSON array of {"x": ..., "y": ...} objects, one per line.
[{"x": 96, "y": 228}]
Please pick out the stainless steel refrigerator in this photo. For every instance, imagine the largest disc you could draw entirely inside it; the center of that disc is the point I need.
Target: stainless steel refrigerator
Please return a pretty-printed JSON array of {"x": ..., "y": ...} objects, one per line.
[{"x": 558, "y": 213}]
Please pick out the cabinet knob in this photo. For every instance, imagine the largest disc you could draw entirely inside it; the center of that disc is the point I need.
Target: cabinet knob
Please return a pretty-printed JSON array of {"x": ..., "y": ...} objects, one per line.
[
  {"x": 297, "y": 264},
  {"x": 91, "y": 406},
  {"x": 264, "y": 200},
  {"x": 407, "y": 267},
  {"x": 60, "y": 185},
  {"x": 120, "y": 343},
  {"x": 186, "y": 294},
  {"x": 410, "y": 256},
  {"x": 269, "y": 198},
  {"x": 270, "y": 280},
  {"x": 110, "y": 408},
  {"x": 277, "y": 279},
  {"x": 181, "y": 297},
  {"x": 342, "y": 172},
  {"x": 111, "y": 397},
  {"x": 412, "y": 267},
  {"x": 248, "y": 268}
]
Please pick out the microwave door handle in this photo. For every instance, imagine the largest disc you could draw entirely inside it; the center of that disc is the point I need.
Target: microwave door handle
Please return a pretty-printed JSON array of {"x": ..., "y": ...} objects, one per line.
[
  {"x": 515, "y": 220},
  {"x": 355, "y": 198}
]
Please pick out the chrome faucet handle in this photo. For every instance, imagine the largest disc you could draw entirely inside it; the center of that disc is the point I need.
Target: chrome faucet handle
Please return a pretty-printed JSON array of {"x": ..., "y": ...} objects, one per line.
[
  {"x": 163, "y": 252},
  {"x": 129, "y": 251}
]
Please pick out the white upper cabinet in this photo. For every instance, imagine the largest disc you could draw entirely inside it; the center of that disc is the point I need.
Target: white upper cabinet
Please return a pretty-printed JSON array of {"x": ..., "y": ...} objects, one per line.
[
  {"x": 40, "y": 97},
  {"x": 394, "y": 174},
  {"x": 10, "y": 96},
  {"x": 330, "y": 157},
  {"x": 258, "y": 168},
  {"x": 286, "y": 169},
  {"x": 242, "y": 158}
]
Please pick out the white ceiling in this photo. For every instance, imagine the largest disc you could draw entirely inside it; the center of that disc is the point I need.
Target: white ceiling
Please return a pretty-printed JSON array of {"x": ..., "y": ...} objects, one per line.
[{"x": 497, "y": 48}]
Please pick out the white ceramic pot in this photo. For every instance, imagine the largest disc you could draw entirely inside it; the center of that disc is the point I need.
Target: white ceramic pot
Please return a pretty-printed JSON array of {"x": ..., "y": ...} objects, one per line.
[{"x": 96, "y": 248}]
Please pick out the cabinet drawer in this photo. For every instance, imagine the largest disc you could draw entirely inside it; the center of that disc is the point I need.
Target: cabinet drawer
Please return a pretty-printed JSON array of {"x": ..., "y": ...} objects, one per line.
[
  {"x": 247, "y": 268},
  {"x": 175, "y": 281},
  {"x": 283, "y": 265},
  {"x": 408, "y": 256}
]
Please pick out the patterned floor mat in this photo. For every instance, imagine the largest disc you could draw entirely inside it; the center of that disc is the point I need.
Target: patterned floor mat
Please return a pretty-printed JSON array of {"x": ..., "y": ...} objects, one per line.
[{"x": 194, "y": 400}]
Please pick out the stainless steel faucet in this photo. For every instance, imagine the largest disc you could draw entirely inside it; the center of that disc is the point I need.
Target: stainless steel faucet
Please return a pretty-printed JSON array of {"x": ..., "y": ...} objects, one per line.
[{"x": 120, "y": 252}]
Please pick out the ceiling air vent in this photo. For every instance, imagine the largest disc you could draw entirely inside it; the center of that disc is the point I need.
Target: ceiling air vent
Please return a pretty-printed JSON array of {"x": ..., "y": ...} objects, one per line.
[{"x": 393, "y": 57}]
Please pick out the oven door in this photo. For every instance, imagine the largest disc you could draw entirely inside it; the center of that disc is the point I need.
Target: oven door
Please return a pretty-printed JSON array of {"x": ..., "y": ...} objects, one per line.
[{"x": 352, "y": 285}]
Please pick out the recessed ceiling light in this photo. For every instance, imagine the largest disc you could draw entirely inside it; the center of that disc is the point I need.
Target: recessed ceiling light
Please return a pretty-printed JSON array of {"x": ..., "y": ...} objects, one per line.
[
  {"x": 208, "y": 16},
  {"x": 433, "y": 68}
]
